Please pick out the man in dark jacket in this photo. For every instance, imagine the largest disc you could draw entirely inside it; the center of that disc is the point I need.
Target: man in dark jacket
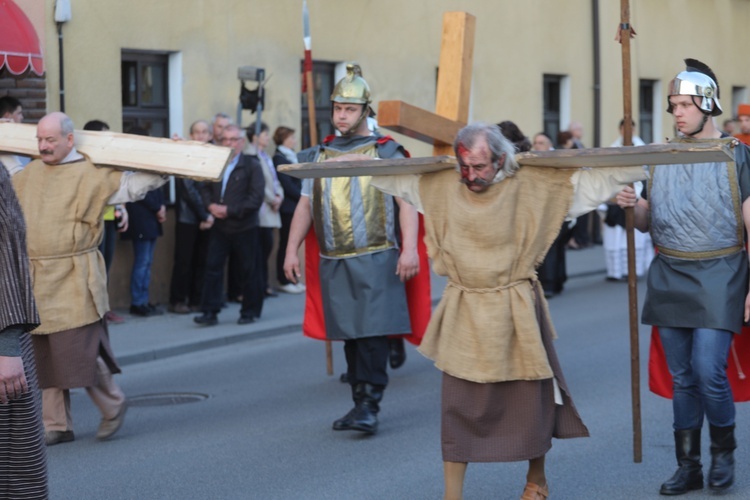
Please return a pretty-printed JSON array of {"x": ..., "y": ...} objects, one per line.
[{"x": 234, "y": 203}]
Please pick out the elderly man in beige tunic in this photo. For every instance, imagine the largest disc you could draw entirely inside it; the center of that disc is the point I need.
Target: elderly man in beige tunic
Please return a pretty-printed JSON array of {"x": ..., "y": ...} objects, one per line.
[
  {"x": 504, "y": 396},
  {"x": 63, "y": 196}
]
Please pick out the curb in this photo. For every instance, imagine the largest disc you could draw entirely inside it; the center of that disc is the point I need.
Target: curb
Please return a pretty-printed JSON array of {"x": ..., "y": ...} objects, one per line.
[{"x": 178, "y": 350}]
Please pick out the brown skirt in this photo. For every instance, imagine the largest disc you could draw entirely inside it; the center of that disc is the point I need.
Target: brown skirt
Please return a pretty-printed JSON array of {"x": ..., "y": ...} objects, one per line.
[
  {"x": 67, "y": 359},
  {"x": 507, "y": 421}
]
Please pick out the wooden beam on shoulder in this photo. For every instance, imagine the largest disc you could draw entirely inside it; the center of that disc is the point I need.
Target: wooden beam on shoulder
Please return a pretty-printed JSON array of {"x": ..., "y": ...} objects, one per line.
[
  {"x": 191, "y": 159},
  {"x": 626, "y": 156}
]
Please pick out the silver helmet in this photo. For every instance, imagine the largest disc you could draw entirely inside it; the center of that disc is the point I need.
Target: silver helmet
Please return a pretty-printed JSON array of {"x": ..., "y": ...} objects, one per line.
[{"x": 697, "y": 80}]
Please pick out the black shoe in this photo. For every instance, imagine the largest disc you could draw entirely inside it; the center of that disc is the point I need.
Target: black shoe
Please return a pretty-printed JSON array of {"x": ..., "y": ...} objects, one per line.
[
  {"x": 244, "y": 320},
  {"x": 723, "y": 444},
  {"x": 155, "y": 310},
  {"x": 345, "y": 422},
  {"x": 206, "y": 319},
  {"x": 271, "y": 293},
  {"x": 364, "y": 419},
  {"x": 365, "y": 416},
  {"x": 396, "y": 353},
  {"x": 52, "y": 438},
  {"x": 142, "y": 310},
  {"x": 689, "y": 474},
  {"x": 344, "y": 378}
]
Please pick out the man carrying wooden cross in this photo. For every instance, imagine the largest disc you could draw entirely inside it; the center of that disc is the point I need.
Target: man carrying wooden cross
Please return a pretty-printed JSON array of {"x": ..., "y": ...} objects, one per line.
[
  {"x": 698, "y": 283},
  {"x": 63, "y": 196},
  {"x": 504, "y": 396}
]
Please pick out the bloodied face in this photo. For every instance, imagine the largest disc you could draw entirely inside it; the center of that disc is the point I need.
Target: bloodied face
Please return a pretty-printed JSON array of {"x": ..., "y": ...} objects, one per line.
[{"x": 476, "y": 165}]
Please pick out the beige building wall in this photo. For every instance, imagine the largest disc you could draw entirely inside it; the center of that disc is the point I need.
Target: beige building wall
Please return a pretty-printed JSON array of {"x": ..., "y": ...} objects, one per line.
[{"x": 397, "y": 43}]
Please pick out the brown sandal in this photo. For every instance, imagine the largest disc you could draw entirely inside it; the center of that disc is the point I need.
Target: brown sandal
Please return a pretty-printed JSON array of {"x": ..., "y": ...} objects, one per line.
[{"x": 535, "y": 492}]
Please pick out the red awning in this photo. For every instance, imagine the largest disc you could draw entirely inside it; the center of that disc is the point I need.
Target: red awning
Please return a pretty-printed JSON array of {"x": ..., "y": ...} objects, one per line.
[{"x": 19, "y": 43}]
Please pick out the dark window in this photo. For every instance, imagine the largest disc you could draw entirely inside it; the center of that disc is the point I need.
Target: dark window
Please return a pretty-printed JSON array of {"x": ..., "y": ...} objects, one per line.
[
  {"x": 323, "y": 81},
  {"x": 738, "y": 97},
  {"x": 145, "y": 96},
  {"x": 551, "y": 110},
  {"x": 646, "y": 111}
]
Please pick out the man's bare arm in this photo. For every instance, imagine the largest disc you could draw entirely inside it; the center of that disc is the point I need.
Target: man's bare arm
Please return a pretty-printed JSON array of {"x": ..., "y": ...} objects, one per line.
[
  {"x": 408, "y": 261},
  {"x": 301, "y": 223}
]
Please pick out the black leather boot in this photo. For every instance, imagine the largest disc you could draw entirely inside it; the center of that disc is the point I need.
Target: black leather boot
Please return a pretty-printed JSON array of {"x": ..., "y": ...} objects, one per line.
[
  {"x": 396, "y": 352},
  {"x": 365, "y": 418},
  {"x": 689, "y": 475},
  {"x": 721, "y": 473},
  {"x": 345, "y": 422}
]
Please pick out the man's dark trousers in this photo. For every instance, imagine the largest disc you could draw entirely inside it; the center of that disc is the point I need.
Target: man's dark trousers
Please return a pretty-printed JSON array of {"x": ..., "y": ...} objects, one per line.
[{"x": 243, "y": 243}]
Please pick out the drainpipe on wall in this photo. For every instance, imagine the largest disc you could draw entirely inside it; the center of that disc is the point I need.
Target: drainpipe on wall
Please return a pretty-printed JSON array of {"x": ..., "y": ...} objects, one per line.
[
  {"x": 597, "y": 73},
  {"x": 62, "y": 16}
]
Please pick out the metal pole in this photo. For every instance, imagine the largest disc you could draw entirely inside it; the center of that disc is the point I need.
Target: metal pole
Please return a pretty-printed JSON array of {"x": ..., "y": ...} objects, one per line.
[
  {"x": 627, "y": 134},
  {"x": 597, "y": 73},
  {"x": 62, "y": 67}
]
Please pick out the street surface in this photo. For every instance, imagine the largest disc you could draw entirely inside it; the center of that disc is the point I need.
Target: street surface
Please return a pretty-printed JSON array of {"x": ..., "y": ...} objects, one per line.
[{"x": 264, "y": 432}]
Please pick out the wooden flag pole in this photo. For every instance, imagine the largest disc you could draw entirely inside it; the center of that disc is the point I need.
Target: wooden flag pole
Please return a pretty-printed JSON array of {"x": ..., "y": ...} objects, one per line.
[
  {"x": 311, "y": 106},
  {"x": 312, "y": 123},
  {"x": 627, "y": 135}
]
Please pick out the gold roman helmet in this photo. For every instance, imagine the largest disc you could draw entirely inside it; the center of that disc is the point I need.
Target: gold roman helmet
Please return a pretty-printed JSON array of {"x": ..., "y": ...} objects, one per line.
[
  {"x": 697, "y": 80},
  {"x": 353, "y": 89}
]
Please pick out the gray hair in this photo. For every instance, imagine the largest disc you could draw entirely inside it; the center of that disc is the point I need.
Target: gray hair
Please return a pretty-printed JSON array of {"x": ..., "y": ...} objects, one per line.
[
  {"x": 66, "y": 125},
  {"x": 196, "y": 122},
  {"x": 232, "y": 126},
  {"x": 497, "y": 143},
  {"x": 221, "y": 115}
]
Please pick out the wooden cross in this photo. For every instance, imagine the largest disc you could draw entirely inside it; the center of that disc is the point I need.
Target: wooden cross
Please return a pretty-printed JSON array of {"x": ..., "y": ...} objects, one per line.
[
  {"x": 626, "y": 156},
  {"x": 453, "y": 91},
  {"x": 191, "y": 159}
]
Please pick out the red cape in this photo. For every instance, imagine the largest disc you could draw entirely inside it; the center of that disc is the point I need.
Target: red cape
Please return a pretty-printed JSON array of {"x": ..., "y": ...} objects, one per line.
[
  {"x": 417, "y": 292},
  {"x": 744, "y": 138},
  {"x": 418, "y": 296},
  {"x": 660, "y": 380},
  {"x": 738, "y": 367}
]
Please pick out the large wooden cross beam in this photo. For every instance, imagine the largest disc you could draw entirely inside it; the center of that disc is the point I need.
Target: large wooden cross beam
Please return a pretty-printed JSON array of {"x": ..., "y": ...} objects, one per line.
[
  {"x": 654, "y": 154},
  {"x": 453, "y": 91},
  {"x": 191, "y": 159}
]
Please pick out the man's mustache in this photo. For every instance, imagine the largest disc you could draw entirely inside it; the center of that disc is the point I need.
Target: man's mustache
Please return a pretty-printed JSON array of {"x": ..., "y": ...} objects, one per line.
[
  {"x": 476, "y": 182},
  {"x": 46, "y": 151}
]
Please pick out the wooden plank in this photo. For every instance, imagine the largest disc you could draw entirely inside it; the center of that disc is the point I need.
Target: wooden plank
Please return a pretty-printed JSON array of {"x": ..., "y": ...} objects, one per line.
[
  {"x": 656, "y": 154},
  {"x": 191, "y": 159},
  {"x": 369, "y": 167},
  {"x": 417, "y": 123},
  {"x": 454, "y": 76},
  {"x": 456, "y": 61}
]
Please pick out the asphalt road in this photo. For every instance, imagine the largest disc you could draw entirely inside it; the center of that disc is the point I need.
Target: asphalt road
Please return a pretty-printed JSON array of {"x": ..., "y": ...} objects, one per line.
[{"x": 264, "y": 430}]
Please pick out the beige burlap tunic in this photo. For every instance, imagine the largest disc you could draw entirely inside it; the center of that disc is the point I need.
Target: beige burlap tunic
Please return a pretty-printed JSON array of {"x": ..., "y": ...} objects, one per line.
[
  {"x": 63, "y": 206},
  {"x": 491, "y": 334}
]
